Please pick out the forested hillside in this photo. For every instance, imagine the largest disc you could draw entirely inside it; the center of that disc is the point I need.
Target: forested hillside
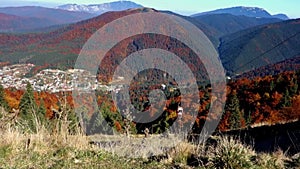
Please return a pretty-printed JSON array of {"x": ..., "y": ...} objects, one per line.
[
  {"x": 268, "y": 100},
  {"x": 260, "y": 46}
]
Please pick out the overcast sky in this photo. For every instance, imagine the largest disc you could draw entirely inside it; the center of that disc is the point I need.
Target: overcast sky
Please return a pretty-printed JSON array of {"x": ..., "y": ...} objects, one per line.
[{"x": 289, "y": 7}]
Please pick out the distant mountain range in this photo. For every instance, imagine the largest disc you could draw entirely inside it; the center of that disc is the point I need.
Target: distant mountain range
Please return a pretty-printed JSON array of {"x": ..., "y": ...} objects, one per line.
[
  {"x": 33, "y": 17},
  {"x": 225, "y": 24},
  {"x": 101, "y": 8},
  {"x": 245, "y": 43},
  {"x": 245, "y": 11},
  {"x": 12, "y": 23}
]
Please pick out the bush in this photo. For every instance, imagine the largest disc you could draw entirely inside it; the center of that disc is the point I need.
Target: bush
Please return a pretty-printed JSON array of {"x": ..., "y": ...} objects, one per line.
[
  {"x": 272, "y": 161},
  {"x": 230, "y": 153}
]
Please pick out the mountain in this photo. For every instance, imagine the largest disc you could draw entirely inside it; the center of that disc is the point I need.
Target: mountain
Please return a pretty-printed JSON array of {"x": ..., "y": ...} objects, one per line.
[
  {"x": 245, "y": 11},
  {"x": 227, "y": 24},
  {"x": 62, "y": 44},
  {"x": 100, "y": 8},
  {"x": 260, "y": 46},
  {"x": 35, "y": 18},
  {"x": 60, "y": 48},
  {"x": 12, "y": 23},
  {"x": 240, "y": 52},
  {"x": 281, "y": 16},
  {"x": 55, "y": 47},
  {"x": 53, "y": 16}
]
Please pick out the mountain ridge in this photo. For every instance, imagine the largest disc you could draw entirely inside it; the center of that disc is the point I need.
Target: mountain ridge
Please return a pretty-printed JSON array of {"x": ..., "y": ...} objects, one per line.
[
  {"x": 259, "y": 46},
  {"x": 44, "y": 16},
  {"x": 100, "y": 8},
  {"x": 228, "y": 23},
  {"x": 13, "y": 23},
  {"x": 246, "y": 11}
]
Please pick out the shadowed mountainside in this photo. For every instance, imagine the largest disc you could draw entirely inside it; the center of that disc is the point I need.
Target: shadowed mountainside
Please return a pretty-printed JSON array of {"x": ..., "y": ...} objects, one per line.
[
  {"x": 260, "y": 46},
  {"x": 228, "y": 23}
]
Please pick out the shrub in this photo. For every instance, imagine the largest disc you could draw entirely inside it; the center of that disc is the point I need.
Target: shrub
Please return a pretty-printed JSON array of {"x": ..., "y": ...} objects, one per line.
[
  {"x": 230, "y": 153},
  {"x": 272, "y": 161}
]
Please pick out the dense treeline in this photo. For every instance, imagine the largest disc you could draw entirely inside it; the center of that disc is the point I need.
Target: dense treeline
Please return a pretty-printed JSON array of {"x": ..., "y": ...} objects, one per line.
[{"x": 271, "y": 99}]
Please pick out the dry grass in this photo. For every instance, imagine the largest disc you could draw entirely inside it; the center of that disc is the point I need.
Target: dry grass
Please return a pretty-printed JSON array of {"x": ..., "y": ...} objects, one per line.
[
  {"x": 136, "y": 147},
  {"x": 45, "y": 150},
  {"x": 275, "y": 160},
  {"x": 61, "y": 149}
]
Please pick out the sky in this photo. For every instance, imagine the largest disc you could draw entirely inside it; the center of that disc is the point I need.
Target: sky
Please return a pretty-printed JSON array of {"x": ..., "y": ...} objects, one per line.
[{"x": 186, "y": 7}]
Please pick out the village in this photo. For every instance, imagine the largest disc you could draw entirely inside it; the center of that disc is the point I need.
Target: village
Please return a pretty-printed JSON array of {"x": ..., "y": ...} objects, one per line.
[{"x": 51, "y": 80}]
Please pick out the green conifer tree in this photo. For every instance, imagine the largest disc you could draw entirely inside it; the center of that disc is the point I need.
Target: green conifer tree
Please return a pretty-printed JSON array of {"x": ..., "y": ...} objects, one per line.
[
  {"x": 28, "y": 109},
  {"x": 234, "y": 108},
  {"x": 27, "y": 102}
]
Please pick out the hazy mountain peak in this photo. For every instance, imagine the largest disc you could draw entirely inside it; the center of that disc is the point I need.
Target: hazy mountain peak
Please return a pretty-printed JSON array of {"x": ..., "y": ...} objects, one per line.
[
  {"x": 245, "y": 11},
  {"x": 101, "y": 8},
  {"x": 281, "y": 16},
  {"x": 250, "y": 8}
]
